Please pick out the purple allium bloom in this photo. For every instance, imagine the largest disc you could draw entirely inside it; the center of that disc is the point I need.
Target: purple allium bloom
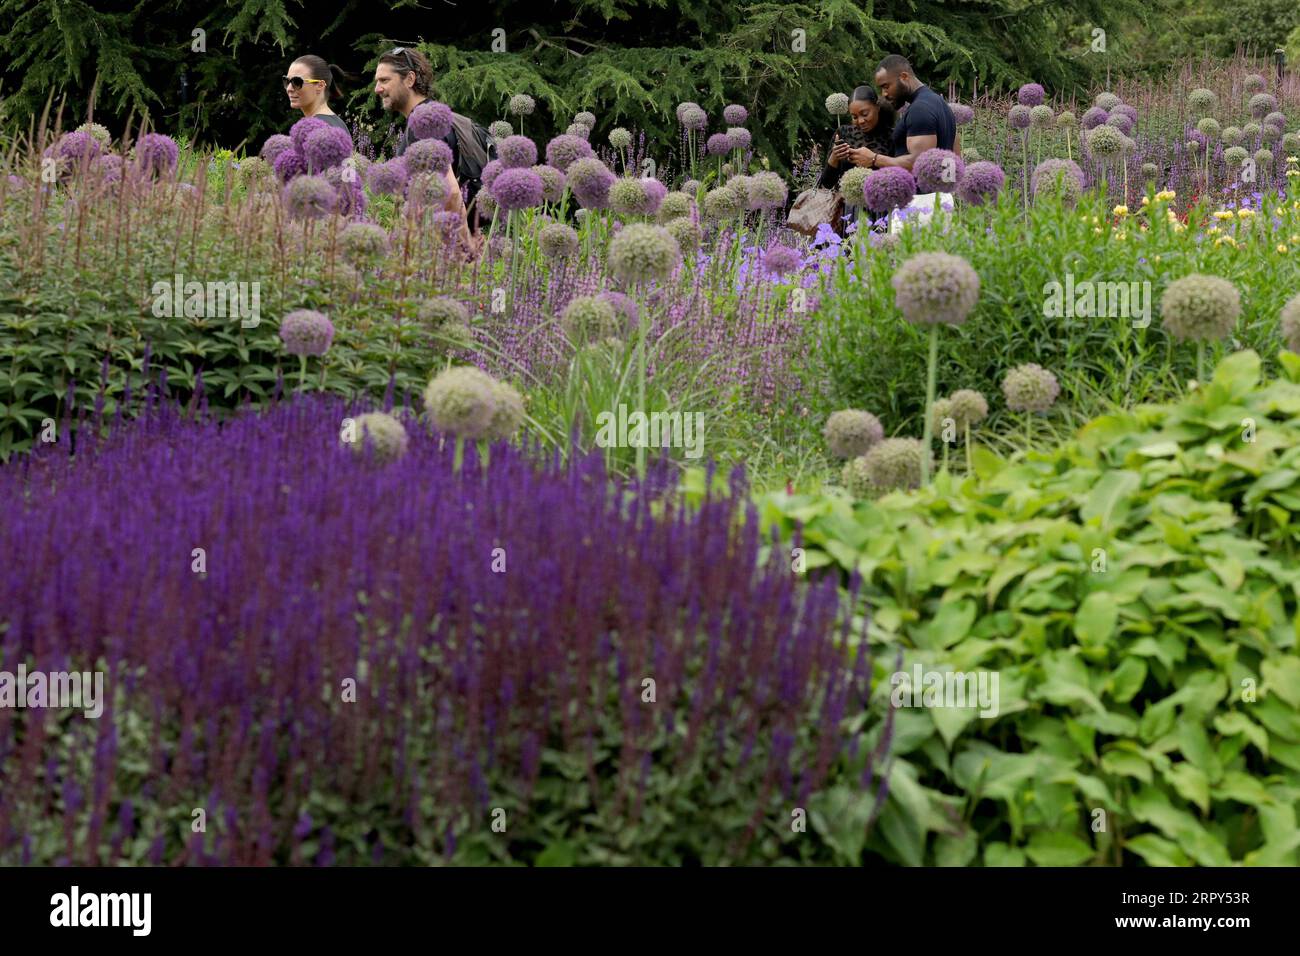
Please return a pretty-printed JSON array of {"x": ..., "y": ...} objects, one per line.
[
  {"x": 1275, "y": 119},
  {"x": 767, "y": 190},
  {"x": 718, "y": 144},
  {"x": 981, "y": 183},
  {"x": 387, "y": 178},
  {"x": 275, "y": 144},
  {"x": 310, "y": 197},
  {"x": 429, "y": 120},
  {"x": 108, "y": 167},
  {"x": 1197, "y": 138},
  {"x": 157, "y": 153},
  {"x": 936, "y": 288},
  {"x": 1121, "y": 121},
  {"x": 289, "y": 164},
  {"x": 558, "y": 241},
  {"x": 655, "y": 191},
  {"x": 305, "y": 332},
  {"x": 590, "y": 180},
  {"x": 299, "y": 131},
  {"x": 780, "y": 259},
  {"x": 552, "y": 182},
  {"x": 625, "y": 308},
  {"x": 627, "y": 197},
  {"x": 424, "y": 190},
  {"x": 1126, "y": 110},
  {"x": 684, "y": 106},
  {"x": 517, "y": 152},
  {"x": 326, "y": 147},
  {"x": 1031, "y": 94},
  {"x": 938, "y": 171},
  {"x": 563, "y": 151},
  {"x": 1060, "y": 177},
  {"x": 694, "y": 119},
  {"x": 1093, "y": 117},
  {"x": 579, "y": 130},
  {"x": 1019, "y": 117},
  {"x": 447, "y": 223},
  {"x": 739, "y": 138},
  {"x": 890, "y": 188},
  {"x": 517, "y": 189},
  {"x": 734, "y": 115},
  {"x": 78, "y": 147},
  {"x": 961, "y": 113},
  {"x": 362, "y": 241},
  {"x": 490, "y": 172},
  {"x": 1261, "y": 104},
  {"x": 427, "y": 156}
]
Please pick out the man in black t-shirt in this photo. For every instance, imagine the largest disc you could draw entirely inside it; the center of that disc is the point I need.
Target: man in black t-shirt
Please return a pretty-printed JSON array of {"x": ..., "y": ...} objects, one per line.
[{"x": 927, "y": 123}]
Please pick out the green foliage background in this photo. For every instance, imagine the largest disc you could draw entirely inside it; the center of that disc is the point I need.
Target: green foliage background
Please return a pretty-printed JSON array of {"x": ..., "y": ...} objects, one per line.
[{"x": 629, "y": 62}]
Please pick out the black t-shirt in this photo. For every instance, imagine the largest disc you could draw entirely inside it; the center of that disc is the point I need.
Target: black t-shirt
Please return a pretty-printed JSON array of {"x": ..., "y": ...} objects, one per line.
[
  {"x": 927, "y": 114},
  {"x": 878, "y": 140}
]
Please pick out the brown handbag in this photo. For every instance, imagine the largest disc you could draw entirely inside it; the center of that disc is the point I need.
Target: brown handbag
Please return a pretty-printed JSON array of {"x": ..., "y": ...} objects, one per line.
[{"x": 812, "y": 208}]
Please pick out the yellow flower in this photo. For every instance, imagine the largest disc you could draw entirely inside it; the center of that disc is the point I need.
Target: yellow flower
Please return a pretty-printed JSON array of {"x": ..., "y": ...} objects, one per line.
[
  {"x": 1281, "y": 247},
  {"x": 1223, "y": 214},
  {"x": 1245, "y": 213},
  {"x": 1179, "y": 227},
  {"x": 1212, "y": 230},
  {"x": 1095, "y": 220},
  {"x": 1120, "y": 210},
  {"x": 1146, "y": 200},
  {"x": 1293, "y": 172},
  {"x": 1165, "y": 194},
  {"x": 1097, "y": 230},
  {"x": 1157, "y": 259},
  {"x": 1293, "y": 159},
  {"x": 1119, "y": 236},
  {"x": 1295, "y": 237}
]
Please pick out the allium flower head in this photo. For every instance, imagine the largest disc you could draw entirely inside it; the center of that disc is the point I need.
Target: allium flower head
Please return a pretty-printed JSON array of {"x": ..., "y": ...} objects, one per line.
[
  {"x": 961, "y": 113},
  {"x": 1196, "y": 140},
  {"x": 1106, "y": 100},
  {"x": 851, "y": 432},
  {"x": 1149, "y": 170},
  {"x": 78, "y": 146},
  {"x": 552, "y": 182},
  {"x": 1261, "y": 104},
  {"x": 655, "y": 191},
  {"x": 1235, "y": 156},
  {"x": 1093, "y": 117},
  {"x": 1209, "y": 126},
  {"x": 99, "y": 132},
  {"x": 695, "y": 119},
  {"x": 387, "y": 178},
  {"x": 718, "y": 144},
  {"x": 1264, "y": 157},
  {"x": 981, "y": 183},
  {"x": 938, "y": 171},
  {"x": 558, "y": 241},
  {"x": 299, "y": 131},
  {"x": 289, "y": 164},
  {"x": 620, "y": 137},
  {"x": 109, "y": 166},
  {"x": 1105, "y": 140},
  {"x": 1200, "y": 307},
  {"x": 837, "y": 104},
  {"x": 429, "y": 120},
  {"x": 1289, "y": 323},
  {"x": 490, "y": 171},
  {"x": 894, "y": 463},
  {"x": 940, "y": 412},
  {"x": 157, "y": 154},
  {"x": 936, "y": 288},
  {"x": 521, "y": 104},
  {"x": 779, "y": 259},
  {"x": 326, "y": 147},
  {"x": 427, "y": 156},
  {"x": 590, "y": 318},
  {"x": 684, "y": 106},
  {"x": 735, "y": 114},
  {"x": 500, "y": 129},
  {"x": 1041, "y": 116},
  {"x": 517, "y": 189},
  {"x": 305, "y": 332},
  {"x": 587, "y": 118},
  {"x": 1270, "y": 133},
  {"x": 1030, "y": 388},
  {"x": 968, "y": 407},
  {"x": 462, "y": 401},
  {"x": 1121, "y": 121},
  {"x": 687, "y": 233},
  {"x": 627, "y": 197},
  {"x": 1291, "y": 144},
  {"x": 578, "y": 130},
  {"x": 887, "y": 189},
  {"x": 442, "y": 310},
  {"x": 739, "y": 137},
  {"x": 642, "y": 252},
  {"x": 675, "y": 205},
  {"x": 1057, "y": 177},
  {"x": 363, "y": 241},
  {"x": 517, "y": 152},
  {"x": 1201, "y": 101},
  {"x": 971, "y": 154},
  {"x": 274, "y": 146},
  {"x": 1231, "y": 135},
  {"x": 1031, "y": 94},
  {"x": 382, "y": 434},
  {"x": 426, "y": 190},
  {"x": 724, "y": 203},
  {"x": 310, "y": 197},
  {"x": 1019, "y": 117},
  {"x": 767, "y": 190},
  {"x": 1255, "y": 83},
  {"x": 1129, "y": 111},
  {"x": 590, "y": 179}
]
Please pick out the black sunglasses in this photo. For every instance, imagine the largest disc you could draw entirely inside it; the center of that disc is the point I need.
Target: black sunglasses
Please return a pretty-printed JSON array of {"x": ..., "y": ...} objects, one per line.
[
  {"x": 296, "y": 81},
  {"x": 402, "y": 51}
]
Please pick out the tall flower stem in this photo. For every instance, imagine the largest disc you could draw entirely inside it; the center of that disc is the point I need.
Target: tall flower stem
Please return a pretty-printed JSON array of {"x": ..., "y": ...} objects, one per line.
[
  {"x": 1200, "y": 362},
  {"x": 929, "y": 404},
  {"x": 970, "y": 470},
  {"x": 643, "y": 336},
  {"x": 302, "y": 373}
]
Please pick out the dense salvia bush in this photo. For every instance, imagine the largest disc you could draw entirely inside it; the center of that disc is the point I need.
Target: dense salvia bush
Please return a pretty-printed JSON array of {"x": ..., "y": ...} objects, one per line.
[{"x": 352, "y": 656}]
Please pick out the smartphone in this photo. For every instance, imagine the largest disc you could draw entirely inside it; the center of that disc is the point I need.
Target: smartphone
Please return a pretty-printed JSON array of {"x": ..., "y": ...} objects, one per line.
[{"x": 848, "y": 133}]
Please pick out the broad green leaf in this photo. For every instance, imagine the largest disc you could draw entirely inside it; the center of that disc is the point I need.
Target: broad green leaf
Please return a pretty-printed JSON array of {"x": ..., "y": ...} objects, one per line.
[
  {"x": 1283, "y": 676},
  {"x": 956, "y": 850},
  {"x": 1055, "y": 848},
  {"x": 1095, "y": 621},
  {"x": 1108, "y": 501},
  {"x": 1126, "y": 763},
  {"x": 999, "y": 854},
  {"x": 1127, "y": 679},
  {"x": 1191, "y": 784},
  {"x": 1157, "y": 851}
]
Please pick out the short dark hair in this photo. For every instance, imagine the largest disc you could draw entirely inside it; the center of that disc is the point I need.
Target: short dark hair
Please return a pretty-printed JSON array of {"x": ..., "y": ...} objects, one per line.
[
  {"x": 405, "y": 59},
  {"x": 895, "y": 63}
]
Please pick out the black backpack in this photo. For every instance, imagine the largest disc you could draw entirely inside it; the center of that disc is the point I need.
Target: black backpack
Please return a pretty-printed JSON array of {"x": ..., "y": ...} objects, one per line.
[{"x": 475, "y": 148}]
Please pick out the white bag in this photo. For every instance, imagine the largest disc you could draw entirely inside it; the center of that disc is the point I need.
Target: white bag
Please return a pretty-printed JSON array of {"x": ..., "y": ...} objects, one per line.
[{"x": 921, "y": 210}]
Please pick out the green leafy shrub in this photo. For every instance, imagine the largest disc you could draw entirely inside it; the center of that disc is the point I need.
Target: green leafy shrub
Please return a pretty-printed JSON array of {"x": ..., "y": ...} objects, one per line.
[{"x": 1136, "y": 591}]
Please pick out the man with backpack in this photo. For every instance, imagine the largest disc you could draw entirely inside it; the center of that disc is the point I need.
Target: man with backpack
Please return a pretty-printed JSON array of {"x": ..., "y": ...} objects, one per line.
[{"x": 403, "y": 79}]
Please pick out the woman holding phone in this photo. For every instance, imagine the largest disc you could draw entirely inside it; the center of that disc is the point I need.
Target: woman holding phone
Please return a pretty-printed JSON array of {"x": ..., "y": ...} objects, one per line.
[{"x": 871, "y": 126}]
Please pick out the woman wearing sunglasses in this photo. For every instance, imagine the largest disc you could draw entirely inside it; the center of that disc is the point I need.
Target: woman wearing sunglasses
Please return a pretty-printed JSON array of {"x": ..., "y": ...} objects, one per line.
[{"x": 310, "y": 83}]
